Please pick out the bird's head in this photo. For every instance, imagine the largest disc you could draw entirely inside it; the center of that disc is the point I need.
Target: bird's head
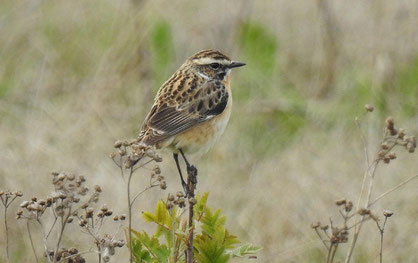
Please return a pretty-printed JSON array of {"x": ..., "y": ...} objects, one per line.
[{"x": 212, "y": 64}]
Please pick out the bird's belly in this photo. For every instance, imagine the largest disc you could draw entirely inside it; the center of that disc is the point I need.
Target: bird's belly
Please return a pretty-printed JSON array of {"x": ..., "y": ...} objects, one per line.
[{"x": 203, "y": 136}]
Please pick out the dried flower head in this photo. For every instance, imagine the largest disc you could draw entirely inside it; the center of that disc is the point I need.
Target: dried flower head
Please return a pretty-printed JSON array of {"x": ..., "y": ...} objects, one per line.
[
  {"x": 369, "y": 107},
  {"x": 340, "y": 202},
  {"x": 387, "y": 213}
]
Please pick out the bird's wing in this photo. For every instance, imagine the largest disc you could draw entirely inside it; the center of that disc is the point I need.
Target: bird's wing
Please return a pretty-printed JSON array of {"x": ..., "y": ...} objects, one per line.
[{"x": 192, "y": 107}]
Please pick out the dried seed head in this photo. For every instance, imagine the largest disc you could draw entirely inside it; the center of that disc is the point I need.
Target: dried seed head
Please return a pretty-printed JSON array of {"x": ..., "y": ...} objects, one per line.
[
  {"x": 98, "y": 189},
  {"x": 72, "y": 251},
  {"x": 386, "y": 159},
  {"x": 387, "y": 213},
  {"x": 118, "y": 243},
  {"x": 55, "y": 173},
  {"x": 24, "y": 204},
  {"x": 100, "y": 214},
  {"x": 59, "y": 210},
  {"x": 84, "y": 206},
  {"x": 34, "y": 198},
  {"x": 117, "y": 144},
  {"x": 19, "y": 212},
  {"x": 89, "y": 212},
  {"x": 381, "y": 154},
  {"x": 83, "y": 191},
  {"x": 122, "y": 217},
  {"x": 112, "y": 155},
  {"x": 163, "y": 185},
  {"x": 115, "y": 218},
  {"x": 392, "y": 156},
  {"x": 159, "y": 177},
  {"x": 70, "y": 220},
  {"x": 315, "y": 225},
  {"x": 104, "y": 208},
  {"x": 169, "y": 205},
  {"x": 325, "y": 227},
  {"x": 108, "y": 213},
  {"x": 363, "y": 211},
  {"x": 170, "y": 197},
  {"x": 348, "y": 206},
  {"x": 192, "y": 201},
  {"x": 180, "y": 194},
  {"x": 384, "y": 146},
  {"x": 82, "y": 222},
  {"x": 122, "y": 152},
  {"x": 390, "y": 123},
  {"x": 340, "y": 202},
  {"x": 410, "y": 147},
  {"x": 156, "y": 169},
  {"x": 401, "y": 133},
  {"x": 32, "y": 207},
  {"x": 369, "y": 107},
  {"x": 181, "y": 202},
  {"x": 61, "y": 177}
]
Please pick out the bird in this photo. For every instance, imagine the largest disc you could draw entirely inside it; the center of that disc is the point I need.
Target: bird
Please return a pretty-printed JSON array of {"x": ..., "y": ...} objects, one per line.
[{"x": 191, "y": 109}]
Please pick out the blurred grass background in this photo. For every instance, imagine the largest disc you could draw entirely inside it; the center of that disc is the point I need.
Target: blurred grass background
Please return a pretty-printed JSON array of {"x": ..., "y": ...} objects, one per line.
[{"x": 77, "y": 75}]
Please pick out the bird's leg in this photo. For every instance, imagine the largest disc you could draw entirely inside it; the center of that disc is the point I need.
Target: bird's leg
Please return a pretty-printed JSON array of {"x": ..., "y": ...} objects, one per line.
[
  {"x": 191, "y": 172},
  {"x": 183, "y": 183}
]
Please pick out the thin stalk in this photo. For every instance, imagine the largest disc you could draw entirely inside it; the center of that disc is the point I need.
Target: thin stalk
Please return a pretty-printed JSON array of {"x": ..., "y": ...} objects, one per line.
[
  {"x": 7, "y": 232},
  {"x": 130, "y": 215},
  {"x": 63, "y": 225},
  {"x": 31, "y": 241}
]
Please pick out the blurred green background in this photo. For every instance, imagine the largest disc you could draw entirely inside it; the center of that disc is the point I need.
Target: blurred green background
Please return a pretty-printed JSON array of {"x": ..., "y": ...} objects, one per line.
[{"x": 77, "y": 75}]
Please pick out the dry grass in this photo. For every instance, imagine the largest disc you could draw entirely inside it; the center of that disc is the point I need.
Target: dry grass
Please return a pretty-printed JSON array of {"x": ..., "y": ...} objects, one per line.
[{"x": 77, "y": 75}]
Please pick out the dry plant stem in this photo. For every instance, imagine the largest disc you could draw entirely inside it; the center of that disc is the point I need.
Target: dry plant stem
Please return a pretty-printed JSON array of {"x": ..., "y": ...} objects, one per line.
[
  {"x": 6, "y": 202},
  {"x": 31, "y": 240},
  {"x": 44, "y": 239},
  {"x": 391, "y": 190},
  {"x": 322, "y": 239},
  {"x": 63, "y": 224},
  {"x": 331, "y": 253},
  {"x": 371, "y": 175},
  {"x": 132, "y": 201},
  {"x": 7, "y": 232},
  {"x": 129, "y": 214},
  {"x": 381, "y": 230},
  {"x": 191, "y": 185}
]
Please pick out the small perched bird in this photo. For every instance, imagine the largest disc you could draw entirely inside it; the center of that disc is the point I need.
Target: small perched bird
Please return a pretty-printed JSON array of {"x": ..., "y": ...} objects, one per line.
[{"x": 192, "y": 108}]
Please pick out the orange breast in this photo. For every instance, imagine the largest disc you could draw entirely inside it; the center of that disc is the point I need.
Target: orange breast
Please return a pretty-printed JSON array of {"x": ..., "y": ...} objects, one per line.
[{"x": 203, "y": 136}]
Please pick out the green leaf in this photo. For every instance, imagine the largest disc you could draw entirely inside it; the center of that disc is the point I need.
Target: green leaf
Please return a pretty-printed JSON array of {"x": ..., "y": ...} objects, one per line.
[
  {"x": 247, "y": 249},
  {"x": 230, "y": 240},
  {"x": 139, "y": 254},
  {"x": 157, "y": 251},
  {"x": 162, "y": 215},
  {"x": 148, "y": 217},
  {"x": 199, "y": 207},
  {"x": 212, "y": 221}
]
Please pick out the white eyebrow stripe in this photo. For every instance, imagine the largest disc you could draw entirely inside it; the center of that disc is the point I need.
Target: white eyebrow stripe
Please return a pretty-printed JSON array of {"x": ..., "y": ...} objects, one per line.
[{"x": 204, "y": 61}]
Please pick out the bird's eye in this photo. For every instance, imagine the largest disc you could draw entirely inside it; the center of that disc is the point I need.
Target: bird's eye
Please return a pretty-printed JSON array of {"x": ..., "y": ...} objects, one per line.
[{"x": 215, "y": 65}]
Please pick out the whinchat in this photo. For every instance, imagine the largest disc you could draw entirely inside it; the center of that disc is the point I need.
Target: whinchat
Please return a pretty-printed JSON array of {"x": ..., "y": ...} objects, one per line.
[{"x": 192, "y": 108}]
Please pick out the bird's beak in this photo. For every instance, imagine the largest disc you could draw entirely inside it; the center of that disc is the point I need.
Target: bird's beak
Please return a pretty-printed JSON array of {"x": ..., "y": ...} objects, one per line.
[{"x": 236, "y": 64}]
